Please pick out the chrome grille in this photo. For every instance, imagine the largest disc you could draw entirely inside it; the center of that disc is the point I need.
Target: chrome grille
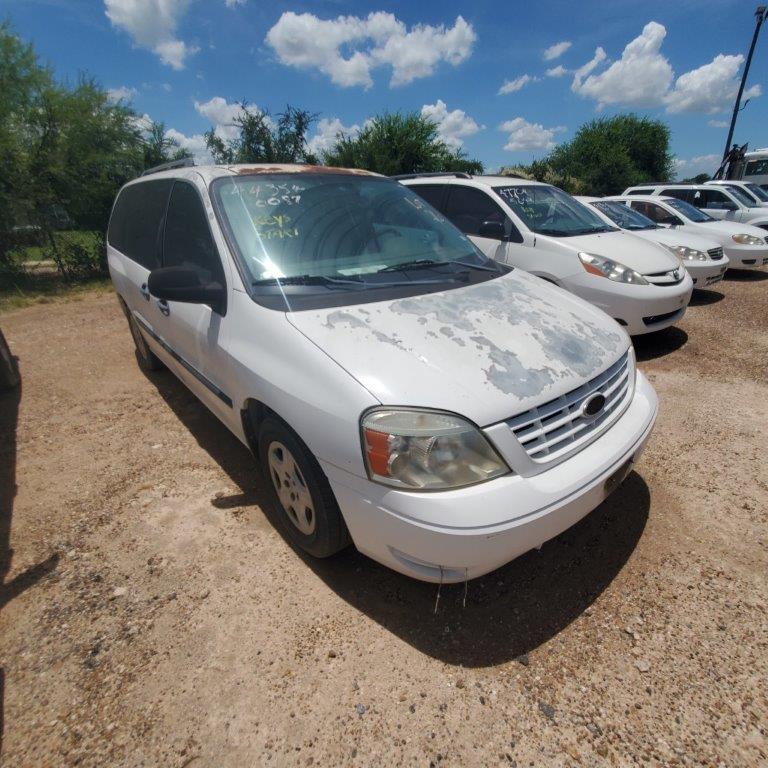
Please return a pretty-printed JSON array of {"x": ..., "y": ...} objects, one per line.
[
  {"x": 715, "y": 253},
  {"x": 559, "y": 426},
  {"x": 673, "y": 277}
]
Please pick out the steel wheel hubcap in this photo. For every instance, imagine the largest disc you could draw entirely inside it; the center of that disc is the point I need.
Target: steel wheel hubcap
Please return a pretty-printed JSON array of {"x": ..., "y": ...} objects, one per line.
[{"x": 292, "y": 489}]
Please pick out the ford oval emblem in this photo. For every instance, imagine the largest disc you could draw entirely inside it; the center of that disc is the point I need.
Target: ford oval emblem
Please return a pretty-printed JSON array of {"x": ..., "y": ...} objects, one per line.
[{"x": 593, "y": 405}]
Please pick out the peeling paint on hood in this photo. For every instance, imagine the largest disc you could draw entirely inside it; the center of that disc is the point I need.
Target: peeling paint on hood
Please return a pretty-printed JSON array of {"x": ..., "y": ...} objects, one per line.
[{"x": 486, "y": 351}]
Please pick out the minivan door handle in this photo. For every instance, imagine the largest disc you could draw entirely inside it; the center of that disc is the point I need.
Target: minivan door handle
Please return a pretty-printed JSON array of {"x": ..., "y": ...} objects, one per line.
[
  {"x": 144, "y": 290},
  {"x": 162, "y": 305}
]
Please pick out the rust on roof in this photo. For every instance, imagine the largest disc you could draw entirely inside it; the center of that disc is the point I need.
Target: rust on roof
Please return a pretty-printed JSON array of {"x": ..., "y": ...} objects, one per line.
[{"x": 246, "y": 170}]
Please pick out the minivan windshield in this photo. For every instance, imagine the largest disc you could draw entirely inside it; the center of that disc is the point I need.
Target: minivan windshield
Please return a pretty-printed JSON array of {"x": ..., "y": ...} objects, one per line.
[
  {"x": 320, "y": 232},
  {"x": 550, "y": 211},
  {"x": 624, "y": 216},
  {"x": 689, "y": 211}
]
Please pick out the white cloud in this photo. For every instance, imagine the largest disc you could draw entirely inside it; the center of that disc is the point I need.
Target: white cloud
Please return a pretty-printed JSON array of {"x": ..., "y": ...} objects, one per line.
[
  {"x": 526, "y": 136},
  {"x": 640, "y": 77},
  {"x": 222, "y": 114},
  {"x": 557, "y": 71},
  {"x": 709, "y": 89},
  {"x": 718, "y": 123},
  {"x": 233, "y": 3},
  {"x": 152, "y": 24},
  {"x": 123, "y": 93},
  {"x": 512, "y": 86},
  {"x": 452, "y": 126},
  {"x": 194, "y": 144},
  {"x": 643, "y": 77},
  {"x": 696, "y": 165},
  {"x": 327, "y": 132},
  {"x": 556, "y": 51},
  {"x": 348, "y": 48}
]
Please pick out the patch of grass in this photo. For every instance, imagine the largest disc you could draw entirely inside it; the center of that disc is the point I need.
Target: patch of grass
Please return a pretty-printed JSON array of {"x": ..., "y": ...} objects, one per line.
[{"x": 22, "y": 290}]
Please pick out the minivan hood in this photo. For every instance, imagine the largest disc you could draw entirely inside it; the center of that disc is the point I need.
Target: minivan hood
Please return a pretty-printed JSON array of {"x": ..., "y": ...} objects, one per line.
[
  {"x": 626, "y": 248},
  {"x": 486, "y": 351}
]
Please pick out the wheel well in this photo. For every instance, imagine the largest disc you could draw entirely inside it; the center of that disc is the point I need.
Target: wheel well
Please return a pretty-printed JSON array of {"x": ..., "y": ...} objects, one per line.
[{"x": 253, "y": 414}]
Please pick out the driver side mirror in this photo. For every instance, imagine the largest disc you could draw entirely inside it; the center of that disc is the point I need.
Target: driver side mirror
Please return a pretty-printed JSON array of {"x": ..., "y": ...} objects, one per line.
[
  {"x": 493, "y": 230},
  {"x": 184, "y": 284}
]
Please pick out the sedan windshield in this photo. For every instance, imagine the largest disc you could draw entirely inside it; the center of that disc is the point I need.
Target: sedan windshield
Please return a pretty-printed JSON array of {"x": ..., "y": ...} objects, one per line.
[
  {"x": 624, "y": 216},
  {"x": 550, "y": 211},
  {"x": 689, "y": 211},
  {"x": 321, "y": 232}
]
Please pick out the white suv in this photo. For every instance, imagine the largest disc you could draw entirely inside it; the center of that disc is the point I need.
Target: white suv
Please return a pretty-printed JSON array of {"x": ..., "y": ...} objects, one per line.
[
  {"x": 445, "y": 412},
  {"x": 754, "y": 192},
  {"x": 547, "y": 232},
  {"x": 723, "y": 203}
]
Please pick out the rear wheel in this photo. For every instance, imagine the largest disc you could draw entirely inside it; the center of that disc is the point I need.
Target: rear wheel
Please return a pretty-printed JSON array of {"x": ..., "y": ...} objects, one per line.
[{"x": 303, "y": 496}]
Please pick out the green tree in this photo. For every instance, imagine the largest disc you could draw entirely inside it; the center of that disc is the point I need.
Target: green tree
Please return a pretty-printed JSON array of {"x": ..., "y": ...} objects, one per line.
[
  {"x": 261, "y": 140},
  {"x": 159, "y": 147},
  {"x": 609, "y": 154},
  {"x": 396, "y": 143}
]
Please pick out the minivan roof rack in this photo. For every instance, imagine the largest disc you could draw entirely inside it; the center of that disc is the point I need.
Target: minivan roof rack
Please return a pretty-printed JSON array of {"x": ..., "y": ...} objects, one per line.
[
  {"x": 455, "y": 174},
  {"x": 184, "y": 162}
]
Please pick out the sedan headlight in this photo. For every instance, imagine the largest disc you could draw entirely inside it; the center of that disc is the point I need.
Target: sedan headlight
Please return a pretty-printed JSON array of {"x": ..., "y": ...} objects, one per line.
[
  {"x": 605, "y": 267},
  {"x": 426, "y": 450},
  {"x": 688, "y": 254},
  {"x": 744, "y": 239}
]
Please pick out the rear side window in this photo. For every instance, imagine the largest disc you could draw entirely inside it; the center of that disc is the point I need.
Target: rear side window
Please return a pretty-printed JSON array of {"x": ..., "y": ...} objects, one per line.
[
  {"x": 680, "y": 194},
  {"x": 639, "y": 191},
  {"x": 134, "y": 228},
  {"x": 188, "y": 241},
  {"x": 655, "y": 212},
  {"x": 432, "y": 193}
]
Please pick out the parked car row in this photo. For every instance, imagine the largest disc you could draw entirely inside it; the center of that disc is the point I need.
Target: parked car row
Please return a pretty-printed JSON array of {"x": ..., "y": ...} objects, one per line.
[{"x": 404, "y": 383}]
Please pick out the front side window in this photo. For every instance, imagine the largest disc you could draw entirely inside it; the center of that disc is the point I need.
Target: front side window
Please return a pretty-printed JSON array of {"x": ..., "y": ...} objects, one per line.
[
  {"x": 188, "y": 241},
  {"x": 550, "y": 211},
  {"x": 469, "y": 208},
  {"x": 307, "y": 235},
  {"x": 655, "y": 213},
  {"x": 756, "y": 168},
  {"x": 623, "y": 216},
  {"x": 743, "y": 197},
  {"x": 691, "y": 212},
  {"x": 714, "y": 199},
  {"x": 134, "y": 228},
  {"x": 758, "y": 192}
]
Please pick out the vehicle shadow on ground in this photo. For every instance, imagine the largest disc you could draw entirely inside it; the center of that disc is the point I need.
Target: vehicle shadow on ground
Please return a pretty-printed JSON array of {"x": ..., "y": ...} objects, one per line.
[
  {"x": 507, "y": 613},
  {"x": 649, "y": 346},
  {"x": 702, "y": 298},
  {"x": 746, "y": 275}
]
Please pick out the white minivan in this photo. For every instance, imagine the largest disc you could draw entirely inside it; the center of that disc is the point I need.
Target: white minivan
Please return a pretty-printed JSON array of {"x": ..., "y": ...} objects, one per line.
[
  {"x": 703, "y": 258},
  {"x": 399, "y": 389},
  {"x": 744, "y": 245},
  {"x": 754, "y": 192},
  {"x": 550, "y": 234}
]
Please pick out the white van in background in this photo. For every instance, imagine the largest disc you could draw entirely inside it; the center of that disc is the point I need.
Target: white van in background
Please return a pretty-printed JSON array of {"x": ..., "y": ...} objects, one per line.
[
  {"x": 744, "y": 245},
  {"x": 703, "y": 258},
  {"x": 753, "y": 191},
  {"x": 547, "y": 232}
]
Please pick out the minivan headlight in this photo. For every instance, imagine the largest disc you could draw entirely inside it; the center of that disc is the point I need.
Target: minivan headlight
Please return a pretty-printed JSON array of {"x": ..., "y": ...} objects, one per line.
[
  {"x": 744, "y": 239},
  {"x": 426, "y": 450},
  {"x": 688, "y": 254},
  {"x": 605, "y": 267}
]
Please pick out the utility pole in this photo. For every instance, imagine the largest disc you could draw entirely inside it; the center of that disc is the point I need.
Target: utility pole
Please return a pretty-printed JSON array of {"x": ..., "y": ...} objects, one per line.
[{"x": 760, "y": 15}]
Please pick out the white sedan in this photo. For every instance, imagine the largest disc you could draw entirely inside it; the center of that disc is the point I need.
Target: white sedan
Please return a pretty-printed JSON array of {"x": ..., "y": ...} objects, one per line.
[
  {"x": 744, "y": 245},
  {"x": 703, "y": 257}
]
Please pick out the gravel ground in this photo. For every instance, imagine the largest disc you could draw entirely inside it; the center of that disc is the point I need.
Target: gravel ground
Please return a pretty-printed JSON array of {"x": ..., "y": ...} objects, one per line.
[{"x": 153, "y": 616}]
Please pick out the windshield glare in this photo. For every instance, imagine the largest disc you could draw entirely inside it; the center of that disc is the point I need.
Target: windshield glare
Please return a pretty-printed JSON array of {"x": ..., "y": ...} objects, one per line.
[
  {"x": 624, "y": 216},
  {"x": 689, "y": 211},
  {"x": 550, "y": 211},
  {"x": 335, "y": 227}
]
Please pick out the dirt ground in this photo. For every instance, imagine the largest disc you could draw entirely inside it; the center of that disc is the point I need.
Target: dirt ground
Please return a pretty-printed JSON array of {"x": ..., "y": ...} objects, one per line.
[{"x": 153, "y": 616}]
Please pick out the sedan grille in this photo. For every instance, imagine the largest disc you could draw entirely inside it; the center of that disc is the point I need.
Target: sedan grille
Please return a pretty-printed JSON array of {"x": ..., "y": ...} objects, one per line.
[
  {"x": 673, "y": 277},
  {"x": 715, "y": 253},
  {"x": 562, "y": 426}
]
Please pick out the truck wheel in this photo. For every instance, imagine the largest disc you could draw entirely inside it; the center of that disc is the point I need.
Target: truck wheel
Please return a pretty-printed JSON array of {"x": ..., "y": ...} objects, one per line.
[{"x": 302, "y": 493}]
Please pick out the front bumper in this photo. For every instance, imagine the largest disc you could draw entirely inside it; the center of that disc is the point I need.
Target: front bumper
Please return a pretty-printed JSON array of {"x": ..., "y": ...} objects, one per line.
[
  {"x": 638, "y": 308},
  {"x": 707, "y": 273},
  {"x": 744, "y": 257},
  {"x": 452, "y": 536}
]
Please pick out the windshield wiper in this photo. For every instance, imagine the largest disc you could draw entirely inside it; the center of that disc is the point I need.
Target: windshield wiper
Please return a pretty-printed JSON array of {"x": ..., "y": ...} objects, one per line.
[
  {"x": 419, "y": 263},
  {"x": 309, "y": 280}
]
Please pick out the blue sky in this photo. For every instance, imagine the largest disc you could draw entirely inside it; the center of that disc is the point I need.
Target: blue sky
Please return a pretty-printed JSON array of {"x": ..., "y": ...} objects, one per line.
[{"x": 188, "y": 63}]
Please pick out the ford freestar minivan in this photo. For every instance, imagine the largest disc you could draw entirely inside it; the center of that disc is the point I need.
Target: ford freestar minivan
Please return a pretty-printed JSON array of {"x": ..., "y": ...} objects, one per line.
[
  {"x": 545, "y": 231},
  {"x": 445, "y": 412}
]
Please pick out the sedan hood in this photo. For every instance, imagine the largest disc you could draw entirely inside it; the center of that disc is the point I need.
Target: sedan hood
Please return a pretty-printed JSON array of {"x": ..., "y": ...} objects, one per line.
[
  {"x": 676, "y": 237},
  {"x": 486, "y": 351},
  {"x": 626, "y": 248},
  {"x": 731, "y": 228}
]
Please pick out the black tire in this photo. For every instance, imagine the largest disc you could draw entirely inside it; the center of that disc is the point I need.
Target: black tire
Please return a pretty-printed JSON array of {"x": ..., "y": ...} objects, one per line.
[
  {"x": 145, "y": 357},
  {"x": 9, "y": 372},
  {"x": 329, "y": 534}
]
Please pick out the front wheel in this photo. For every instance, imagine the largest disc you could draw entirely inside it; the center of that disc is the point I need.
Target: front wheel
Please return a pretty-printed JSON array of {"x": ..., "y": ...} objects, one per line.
[{"x": 302, "y": 493}]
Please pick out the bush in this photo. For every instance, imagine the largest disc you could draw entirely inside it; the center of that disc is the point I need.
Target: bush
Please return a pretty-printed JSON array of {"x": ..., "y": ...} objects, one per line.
[{"x": 78, "y": 255}]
